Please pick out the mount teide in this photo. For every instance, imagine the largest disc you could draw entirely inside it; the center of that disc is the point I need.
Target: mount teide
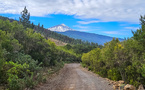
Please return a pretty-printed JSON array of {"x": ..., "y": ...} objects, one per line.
[
  {"x": 90, "y": 37},
  {"x": 60, "y": 28}
]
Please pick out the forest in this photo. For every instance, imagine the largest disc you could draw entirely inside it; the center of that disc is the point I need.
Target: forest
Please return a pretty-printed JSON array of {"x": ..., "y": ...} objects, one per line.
[{"x": 120, "y": 60}]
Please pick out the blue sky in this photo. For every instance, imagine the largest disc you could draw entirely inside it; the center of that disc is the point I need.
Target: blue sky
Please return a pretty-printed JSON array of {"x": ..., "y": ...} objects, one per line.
[{"x": 106, "y": 17}]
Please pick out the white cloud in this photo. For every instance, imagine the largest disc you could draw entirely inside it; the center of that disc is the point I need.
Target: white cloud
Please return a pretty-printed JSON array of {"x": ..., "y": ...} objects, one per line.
[
  {"x": 79, "y": 26},
  {"x": 83, "y": 30},
  {"x": 86, "y": 28},
  {"x": 104, "y": 10},
  {"x": 88, "y": 22},
  {"x": 115, "y": 32},
  {"x": 111, "y": 32},
  {"x": 132, "y": 28}
]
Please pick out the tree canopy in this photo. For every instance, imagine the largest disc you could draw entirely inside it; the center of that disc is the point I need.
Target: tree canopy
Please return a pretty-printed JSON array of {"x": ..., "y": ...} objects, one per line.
[{"x": 25, "y": 16}]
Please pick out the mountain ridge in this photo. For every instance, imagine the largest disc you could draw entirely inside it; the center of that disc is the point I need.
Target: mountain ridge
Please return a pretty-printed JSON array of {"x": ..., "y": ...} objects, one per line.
[
  {"x": 85, "y": 36},
  {"x": 90, "y": 37}
]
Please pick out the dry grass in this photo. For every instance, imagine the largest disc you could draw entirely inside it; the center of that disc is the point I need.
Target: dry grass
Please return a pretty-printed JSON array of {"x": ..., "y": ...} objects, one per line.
[{"x": 57, "y": 42}]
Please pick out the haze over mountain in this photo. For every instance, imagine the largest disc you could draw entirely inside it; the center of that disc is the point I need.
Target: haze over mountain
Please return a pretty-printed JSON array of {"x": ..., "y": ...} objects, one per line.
[{"x": 90, "y": 37}]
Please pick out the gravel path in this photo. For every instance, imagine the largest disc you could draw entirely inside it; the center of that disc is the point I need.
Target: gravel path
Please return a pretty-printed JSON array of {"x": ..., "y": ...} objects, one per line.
[{"x": 74, "y": 77}]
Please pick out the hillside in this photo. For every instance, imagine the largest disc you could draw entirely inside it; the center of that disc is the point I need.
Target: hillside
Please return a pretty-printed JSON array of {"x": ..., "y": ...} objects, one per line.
[
  {"x": 54, "y": 35},
  {"x": 91, "y": 37},
  {"x": 84, "y": 36},
  {"x": 51, "y": 34},
  {"x": 25, "y": 55},
  {"x": 57, "y": 42}
]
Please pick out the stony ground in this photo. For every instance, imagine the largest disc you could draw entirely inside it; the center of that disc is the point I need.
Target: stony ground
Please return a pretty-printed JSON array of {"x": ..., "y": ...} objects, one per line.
[{"x": 74, "y": 77}]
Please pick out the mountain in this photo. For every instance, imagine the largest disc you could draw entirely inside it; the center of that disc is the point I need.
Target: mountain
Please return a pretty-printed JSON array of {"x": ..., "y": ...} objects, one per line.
[
  {"x": 90, "y": 37},
  {"x": 60, "y": 28}
]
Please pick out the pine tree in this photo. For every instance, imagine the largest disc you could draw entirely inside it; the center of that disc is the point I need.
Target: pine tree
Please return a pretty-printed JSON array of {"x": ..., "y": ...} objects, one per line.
[
  {"x": 139, "y": 34},
  {"x": 24, "y": 19},
  {"x": 32, "y": 25},
  {"x": 142, "y": 20},
  {"x": 38, "y": 25},
  {"x": 42, "y": 26}
]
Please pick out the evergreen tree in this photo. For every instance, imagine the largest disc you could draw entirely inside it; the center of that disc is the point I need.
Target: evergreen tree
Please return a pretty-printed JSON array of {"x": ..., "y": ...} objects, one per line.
[
  {"x": 32, "y": 25},
  {"x": 139, "y": 34},
  {"x": 38, "y": 25},
  {"x": 142, "y": 20},
  {"x": 24, "y": 19},
  {"x": 42, "y": 26}
]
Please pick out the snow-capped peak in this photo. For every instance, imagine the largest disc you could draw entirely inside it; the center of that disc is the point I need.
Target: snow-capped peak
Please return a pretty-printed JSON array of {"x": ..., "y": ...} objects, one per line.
[
  {"x": 60, "y": 28},
  {"x": 63, "y": 24}
]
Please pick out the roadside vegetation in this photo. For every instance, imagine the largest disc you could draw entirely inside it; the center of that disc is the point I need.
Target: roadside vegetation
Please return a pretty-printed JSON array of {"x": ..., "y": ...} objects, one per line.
[
  {"x": 23, "y": 56},
  {"x": 120, "y": 60},
  {"x": 28, "y": 56}
]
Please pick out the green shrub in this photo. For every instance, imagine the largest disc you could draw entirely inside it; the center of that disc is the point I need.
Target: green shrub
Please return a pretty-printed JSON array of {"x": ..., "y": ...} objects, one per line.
[
  {"x": 39, "y": 77},
  {"x": 90, "y": 68},
  {"x": 29, "y": 81},
  {"x": 34, "y": 66},
  {"x": 114, "y": 74},
  {"x": 84, "y": 65},
  {"x": 16, "y": 69},
  {"x": 14, "y": 83},
  {"x": 13, "y": 74}
]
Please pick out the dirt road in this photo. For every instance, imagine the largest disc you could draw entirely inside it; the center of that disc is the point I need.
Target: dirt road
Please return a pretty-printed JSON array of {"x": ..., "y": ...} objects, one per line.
[{"x": 74, "y": 77}]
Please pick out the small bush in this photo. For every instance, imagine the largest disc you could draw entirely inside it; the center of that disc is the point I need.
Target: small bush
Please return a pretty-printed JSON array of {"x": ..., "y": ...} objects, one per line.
[
  {"x": 44, "y": 80},
  {"x": 39, "y": 77},
  {"x": 84, "y": 65},
  {"x": 16, "y": 84},
  {"x": 21, "y": 58},
  {"x": 90, "y": 68},
  {"x": 29, "y": 81},
  {"x": 114, "y": 74}
]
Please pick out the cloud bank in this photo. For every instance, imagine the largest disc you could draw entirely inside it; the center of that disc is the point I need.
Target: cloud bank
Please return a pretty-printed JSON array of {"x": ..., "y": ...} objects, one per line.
[{"x": 103, "y": 10}]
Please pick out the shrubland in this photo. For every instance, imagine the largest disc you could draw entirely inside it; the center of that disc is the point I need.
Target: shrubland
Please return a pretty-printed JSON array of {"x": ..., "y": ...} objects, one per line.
[
  {"x": 120, "y": 60},
  {"x": 24, "y": 54},
  {"x": 27, "y": 56}
]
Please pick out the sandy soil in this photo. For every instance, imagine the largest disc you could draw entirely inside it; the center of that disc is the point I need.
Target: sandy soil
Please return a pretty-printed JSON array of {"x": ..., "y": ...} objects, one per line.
[{"x": 74, "y": 77}]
